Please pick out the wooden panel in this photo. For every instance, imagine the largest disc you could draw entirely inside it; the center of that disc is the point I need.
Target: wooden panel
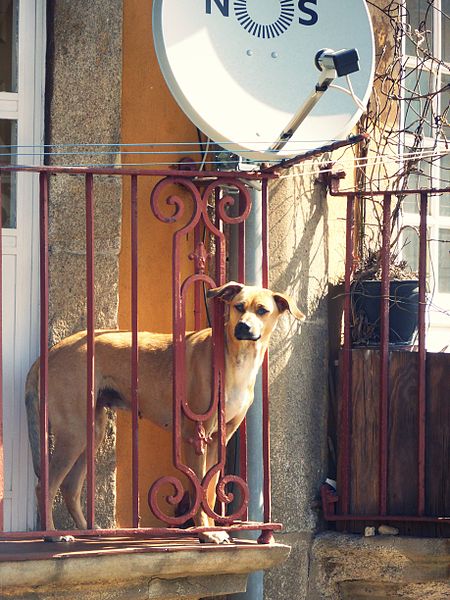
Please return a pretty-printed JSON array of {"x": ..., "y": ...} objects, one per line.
[
  {"x": 365, "y": 431},
  {"x": 438, "y": 437},
  {"x": 403, "y": 433},
  {"x": 403, "y": 439}
]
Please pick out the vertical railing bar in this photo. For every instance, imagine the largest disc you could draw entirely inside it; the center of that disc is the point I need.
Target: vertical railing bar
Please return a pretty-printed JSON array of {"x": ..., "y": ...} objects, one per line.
[
  {"x": 346, "y": 373},
  {"x": 422, "y": 353},
  {"x": 134, "y": 351},
  {"x": 219, "y": 358},
  {"x": 241, "y": 243},
  {"x": 198, "y": 284},
  {"x": 265, "y": 368},
  {"x": 43, "y": 361},
  {"x": 241, "y": 278},
  {"x": 178, "y": 336},
  {"x": 2, "y": 466},
  {"x": 220, "y": 266},
  {"x": 384, "y": 357},
  {"x": 90, "y": 399},
  {"x": 265, "y": 232}
]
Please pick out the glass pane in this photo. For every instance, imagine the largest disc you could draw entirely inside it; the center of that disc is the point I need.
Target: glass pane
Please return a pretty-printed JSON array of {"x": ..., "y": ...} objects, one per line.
[
  {"x": 444, "y": 99},
  {"x": 8, "y": 138},
  {"x": 8, "y": 45},
  {"x": 444, "y": 261},
  {"x": 418, "y": 109},
  {"x": 419, "y": 178},
  {"x": 444, "y": 176},
  {"x": 419, "y": 17},
  {"x": 410, "y": 253},
  {"x": 410, "y": 248}
]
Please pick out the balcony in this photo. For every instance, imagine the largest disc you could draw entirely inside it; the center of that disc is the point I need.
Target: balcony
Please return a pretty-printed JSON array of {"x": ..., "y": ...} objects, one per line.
[
  {"x": 204, "y": 213},
  {"x": 392, "y": 426}
]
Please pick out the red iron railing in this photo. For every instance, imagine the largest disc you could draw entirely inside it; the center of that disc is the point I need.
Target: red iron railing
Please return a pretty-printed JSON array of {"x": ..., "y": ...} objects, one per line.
[
  {"x": 193, "y": 191},
  {"x": 337, "y": 504}
]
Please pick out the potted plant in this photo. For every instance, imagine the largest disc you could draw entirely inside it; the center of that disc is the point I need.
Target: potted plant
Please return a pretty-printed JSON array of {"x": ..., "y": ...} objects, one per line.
[{"x": 366, "y": 301}]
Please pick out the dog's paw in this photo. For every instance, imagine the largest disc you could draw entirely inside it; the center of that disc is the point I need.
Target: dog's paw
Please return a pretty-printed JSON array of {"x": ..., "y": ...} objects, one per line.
[
  {"x": 59, "y": 538},
  {"x": 214, "y": 537}
]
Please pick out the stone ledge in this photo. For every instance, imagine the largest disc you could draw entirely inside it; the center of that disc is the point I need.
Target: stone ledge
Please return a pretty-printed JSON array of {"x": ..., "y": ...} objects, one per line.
[
  {"x": 139, "y": 570},
  {"x": 382, "y": 567}
]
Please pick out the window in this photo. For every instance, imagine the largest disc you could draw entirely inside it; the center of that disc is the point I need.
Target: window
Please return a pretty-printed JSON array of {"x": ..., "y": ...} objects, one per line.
[
  {"x": 425, "y": 113},
  {"x": 8, "y": 138},
  {"x": 8, "y": 45},
  {"x": 8, "y": 104}
]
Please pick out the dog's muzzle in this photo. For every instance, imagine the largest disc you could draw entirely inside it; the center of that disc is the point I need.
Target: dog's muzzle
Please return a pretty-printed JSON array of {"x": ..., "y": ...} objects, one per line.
[{"x": 242, "y": 331}]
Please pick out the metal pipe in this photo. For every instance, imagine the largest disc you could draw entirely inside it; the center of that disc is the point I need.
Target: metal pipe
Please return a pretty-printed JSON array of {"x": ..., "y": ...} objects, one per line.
[
  {"x": 255, "y": 467},
  {"x": 290, "y": 162}
]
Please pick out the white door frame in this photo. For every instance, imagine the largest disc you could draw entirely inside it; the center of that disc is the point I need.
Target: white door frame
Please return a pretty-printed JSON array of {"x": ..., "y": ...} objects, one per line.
[{"x": 21, "y": 264}]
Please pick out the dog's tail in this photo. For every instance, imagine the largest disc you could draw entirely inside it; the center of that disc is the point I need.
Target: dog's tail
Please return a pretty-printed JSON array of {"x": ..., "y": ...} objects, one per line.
[{"x": 32, "y": 404}]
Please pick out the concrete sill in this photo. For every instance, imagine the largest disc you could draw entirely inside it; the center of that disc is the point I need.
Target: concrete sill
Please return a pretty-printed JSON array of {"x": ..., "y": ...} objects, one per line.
[
  {"x": 130, "y": 568},
  {"x": 353, "y": 567}
]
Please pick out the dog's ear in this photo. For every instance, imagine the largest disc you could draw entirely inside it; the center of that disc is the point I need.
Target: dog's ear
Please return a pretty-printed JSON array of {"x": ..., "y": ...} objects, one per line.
[
  {"x": 226, "y": 292},
  {"x": 285, "y": 302}
]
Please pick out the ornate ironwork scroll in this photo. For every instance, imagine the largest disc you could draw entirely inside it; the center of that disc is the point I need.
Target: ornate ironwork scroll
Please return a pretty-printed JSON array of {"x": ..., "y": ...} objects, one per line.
[{"x": 163, "y": 202}]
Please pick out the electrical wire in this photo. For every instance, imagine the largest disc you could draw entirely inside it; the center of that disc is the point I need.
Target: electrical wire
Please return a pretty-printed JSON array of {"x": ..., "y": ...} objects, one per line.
[{"x": 352, "y": 161}]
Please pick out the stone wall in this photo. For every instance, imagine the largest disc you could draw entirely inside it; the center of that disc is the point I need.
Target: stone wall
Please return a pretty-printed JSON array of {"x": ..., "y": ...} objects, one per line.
[
  {"x": 307, "y": 250},
  {"x": 351, "y": 567},
  {"x": 83, "y": 106},
  {"x": 299, "y": 265}
]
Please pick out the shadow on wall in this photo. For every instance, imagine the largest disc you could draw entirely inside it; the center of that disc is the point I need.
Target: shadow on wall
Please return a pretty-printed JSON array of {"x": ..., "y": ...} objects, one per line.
[{"x": 299, "y": 260}]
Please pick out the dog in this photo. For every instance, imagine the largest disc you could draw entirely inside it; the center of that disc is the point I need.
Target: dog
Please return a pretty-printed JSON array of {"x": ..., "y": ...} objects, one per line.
[{"x": 253, "y": 314}]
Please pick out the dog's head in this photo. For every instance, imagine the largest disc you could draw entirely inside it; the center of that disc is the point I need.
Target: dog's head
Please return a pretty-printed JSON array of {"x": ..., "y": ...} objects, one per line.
[{"x": 254, "y": 311}]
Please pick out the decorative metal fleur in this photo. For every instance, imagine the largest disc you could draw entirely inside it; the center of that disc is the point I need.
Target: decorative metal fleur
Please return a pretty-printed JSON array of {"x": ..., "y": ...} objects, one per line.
[
  {"x": 200, "y": 440},
  {"x": 200, "y": 257}
]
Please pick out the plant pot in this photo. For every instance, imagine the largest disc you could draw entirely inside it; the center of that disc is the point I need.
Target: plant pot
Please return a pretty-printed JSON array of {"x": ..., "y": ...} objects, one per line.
[{"x": 403, "y": 312}]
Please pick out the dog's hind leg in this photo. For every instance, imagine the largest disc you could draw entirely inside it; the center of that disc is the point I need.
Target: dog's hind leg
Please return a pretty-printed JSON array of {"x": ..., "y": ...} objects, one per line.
[
  {"x": 72, "y": 485},
  {"x": 71, "y": 490},
  {"x": 63, "y": 458}
]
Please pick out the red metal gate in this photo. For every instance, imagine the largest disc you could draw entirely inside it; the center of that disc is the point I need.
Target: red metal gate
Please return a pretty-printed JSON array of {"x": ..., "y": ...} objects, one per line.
[
  {"x": 336, "y": 503},
  {"x": 174, "y": 192}
]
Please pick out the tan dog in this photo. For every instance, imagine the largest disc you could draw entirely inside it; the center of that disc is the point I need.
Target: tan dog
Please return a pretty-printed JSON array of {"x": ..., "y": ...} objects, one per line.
[{"x": 253, "y": 314}]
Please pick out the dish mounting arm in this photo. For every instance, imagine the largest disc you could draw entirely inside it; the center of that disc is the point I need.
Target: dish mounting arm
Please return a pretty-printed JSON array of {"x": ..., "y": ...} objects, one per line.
[{"x": 331, "y": 64}]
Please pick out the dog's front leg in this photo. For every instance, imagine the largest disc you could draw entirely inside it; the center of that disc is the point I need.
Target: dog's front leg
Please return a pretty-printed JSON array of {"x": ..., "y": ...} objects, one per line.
[{"x": 200, "y": 464}]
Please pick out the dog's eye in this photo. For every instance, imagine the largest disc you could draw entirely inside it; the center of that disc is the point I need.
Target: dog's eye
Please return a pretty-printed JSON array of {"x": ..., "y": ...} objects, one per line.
[
  {"x": 262, "y": 311},
  {"x": 240, "y": 307}
]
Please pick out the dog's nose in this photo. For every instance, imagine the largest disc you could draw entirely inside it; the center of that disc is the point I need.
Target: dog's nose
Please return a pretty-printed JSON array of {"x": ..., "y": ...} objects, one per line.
[{"x": 242, "y": 331}]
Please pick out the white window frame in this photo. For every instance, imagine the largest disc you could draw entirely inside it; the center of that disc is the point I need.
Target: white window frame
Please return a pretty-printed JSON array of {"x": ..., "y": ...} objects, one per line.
[{"x": 438, "y": 335}]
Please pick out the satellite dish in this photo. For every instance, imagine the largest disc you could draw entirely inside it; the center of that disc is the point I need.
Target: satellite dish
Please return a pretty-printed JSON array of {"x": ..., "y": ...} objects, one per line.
[{"x": 243, "y": 70}]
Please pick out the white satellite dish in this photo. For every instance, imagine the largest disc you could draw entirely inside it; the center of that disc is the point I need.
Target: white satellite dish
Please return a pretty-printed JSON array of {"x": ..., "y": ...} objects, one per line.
[{"x": 244, "y": 71}]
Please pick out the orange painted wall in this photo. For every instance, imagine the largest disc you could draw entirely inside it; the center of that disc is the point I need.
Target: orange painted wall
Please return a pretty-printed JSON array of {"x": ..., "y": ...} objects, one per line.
[{"x": 149, "y": 114}]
